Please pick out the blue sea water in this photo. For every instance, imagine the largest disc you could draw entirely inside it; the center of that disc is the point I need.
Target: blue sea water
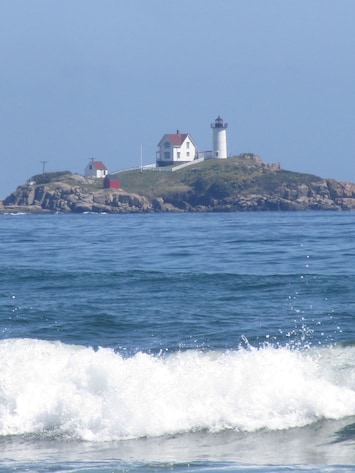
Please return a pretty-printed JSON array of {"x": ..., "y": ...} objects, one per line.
[{"x": 181, "y": 343}]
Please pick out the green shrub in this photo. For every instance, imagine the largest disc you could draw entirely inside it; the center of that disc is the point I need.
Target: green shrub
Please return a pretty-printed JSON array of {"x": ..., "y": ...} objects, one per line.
[{"x": 48, "y": 177}]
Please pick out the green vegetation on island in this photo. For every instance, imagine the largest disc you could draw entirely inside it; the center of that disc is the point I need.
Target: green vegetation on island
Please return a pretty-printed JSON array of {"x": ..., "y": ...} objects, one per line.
[{"x": 219, "y": 178}]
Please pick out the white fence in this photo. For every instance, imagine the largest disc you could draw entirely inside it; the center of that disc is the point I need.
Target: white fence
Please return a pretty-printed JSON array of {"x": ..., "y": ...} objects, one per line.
[{"x": 152, "y": 167}]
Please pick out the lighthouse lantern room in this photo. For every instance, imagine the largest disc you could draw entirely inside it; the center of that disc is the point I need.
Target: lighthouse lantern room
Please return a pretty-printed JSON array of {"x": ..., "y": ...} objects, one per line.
[{"x": 219, "y": 138}]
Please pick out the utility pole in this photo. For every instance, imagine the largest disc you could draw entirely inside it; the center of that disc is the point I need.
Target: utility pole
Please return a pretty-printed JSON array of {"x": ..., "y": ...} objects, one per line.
[{"x": 43, "y": 166}]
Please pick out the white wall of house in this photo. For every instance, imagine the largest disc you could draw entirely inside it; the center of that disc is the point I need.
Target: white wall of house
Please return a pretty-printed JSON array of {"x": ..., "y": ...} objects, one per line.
[
  {"x": 168, "y": 152},
  {"x": 101, "y": 172},
  {"x": 92, "y": 171},
  {"x": 186, "y": 152}
]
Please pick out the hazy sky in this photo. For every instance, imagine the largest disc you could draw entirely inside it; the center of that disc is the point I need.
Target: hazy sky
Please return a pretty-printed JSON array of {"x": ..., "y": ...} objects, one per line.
[{"x": 100, "y": 78}]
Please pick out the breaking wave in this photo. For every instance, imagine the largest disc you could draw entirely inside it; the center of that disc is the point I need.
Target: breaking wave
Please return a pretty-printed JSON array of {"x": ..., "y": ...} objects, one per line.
[{"x": 51, "y": 388}]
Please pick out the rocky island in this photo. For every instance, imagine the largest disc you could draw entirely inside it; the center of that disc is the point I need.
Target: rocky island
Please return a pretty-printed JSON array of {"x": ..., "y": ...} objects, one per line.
[{"x": 241, "y": 183}]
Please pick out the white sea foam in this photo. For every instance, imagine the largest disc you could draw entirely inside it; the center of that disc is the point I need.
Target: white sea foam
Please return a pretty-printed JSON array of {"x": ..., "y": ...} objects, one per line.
[{"x": 99, "y": 395}]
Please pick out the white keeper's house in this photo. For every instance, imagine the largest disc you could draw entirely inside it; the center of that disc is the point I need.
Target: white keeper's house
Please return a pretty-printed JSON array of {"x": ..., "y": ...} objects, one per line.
[
  {"x": 95, "y": 169},
  {"x": 176, "y": 148}
]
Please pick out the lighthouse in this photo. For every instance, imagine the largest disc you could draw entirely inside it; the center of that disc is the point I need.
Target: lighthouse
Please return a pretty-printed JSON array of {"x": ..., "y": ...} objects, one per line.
[{"x": 219, "y": 138}]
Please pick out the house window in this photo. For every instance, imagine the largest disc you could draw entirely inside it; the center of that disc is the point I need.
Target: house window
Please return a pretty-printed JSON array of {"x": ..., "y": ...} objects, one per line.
[
  {"x": 178, "y": 154},
  {"x": 167, "y": 144},
  {"x": 167, "y": 155},
  {"x": 188, "y": 145},
  {"x": 188, "y": 154},
  {"x": 90, "y": 167}
]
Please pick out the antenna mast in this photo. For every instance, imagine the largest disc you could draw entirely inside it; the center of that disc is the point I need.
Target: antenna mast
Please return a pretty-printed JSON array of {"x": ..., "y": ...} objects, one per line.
[{"x": 43, "y": 166}]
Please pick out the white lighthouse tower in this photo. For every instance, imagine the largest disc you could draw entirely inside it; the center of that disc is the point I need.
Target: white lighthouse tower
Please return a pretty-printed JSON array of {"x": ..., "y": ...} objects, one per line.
[{"x": 219, "y": 138}]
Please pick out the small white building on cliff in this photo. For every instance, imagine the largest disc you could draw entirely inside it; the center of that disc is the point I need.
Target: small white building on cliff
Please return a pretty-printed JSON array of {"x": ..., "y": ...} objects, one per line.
[{"x": 95, "y": 169}]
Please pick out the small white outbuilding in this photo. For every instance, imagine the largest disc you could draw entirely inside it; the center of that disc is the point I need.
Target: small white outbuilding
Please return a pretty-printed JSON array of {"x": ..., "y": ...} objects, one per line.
[{"x": 95, "y": 169}]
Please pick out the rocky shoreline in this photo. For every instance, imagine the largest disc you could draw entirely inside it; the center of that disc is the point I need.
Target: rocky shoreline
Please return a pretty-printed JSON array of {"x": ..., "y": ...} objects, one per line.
[
  {"x": 75, "y": 195},
  {"x": 327, "y": 195}
]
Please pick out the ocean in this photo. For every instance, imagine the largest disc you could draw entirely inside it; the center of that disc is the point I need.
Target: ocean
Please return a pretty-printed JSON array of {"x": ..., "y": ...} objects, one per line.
[{"x": 185, "y": 343}]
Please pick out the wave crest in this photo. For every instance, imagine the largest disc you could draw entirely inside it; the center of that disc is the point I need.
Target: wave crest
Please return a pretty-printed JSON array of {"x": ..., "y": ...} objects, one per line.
[{"x": 51, "y": 387}]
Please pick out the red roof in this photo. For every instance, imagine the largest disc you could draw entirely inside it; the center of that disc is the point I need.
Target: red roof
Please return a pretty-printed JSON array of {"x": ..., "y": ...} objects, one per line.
[
  {"x": 177, "y": 139},
  {"x": 99, "y": 165}
]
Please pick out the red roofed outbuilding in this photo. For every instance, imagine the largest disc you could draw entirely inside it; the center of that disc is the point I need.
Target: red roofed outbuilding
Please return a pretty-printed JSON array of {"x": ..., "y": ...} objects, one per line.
[
  {"x": 176, "y": 148},
  {"x": 95, "y": 169}
]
